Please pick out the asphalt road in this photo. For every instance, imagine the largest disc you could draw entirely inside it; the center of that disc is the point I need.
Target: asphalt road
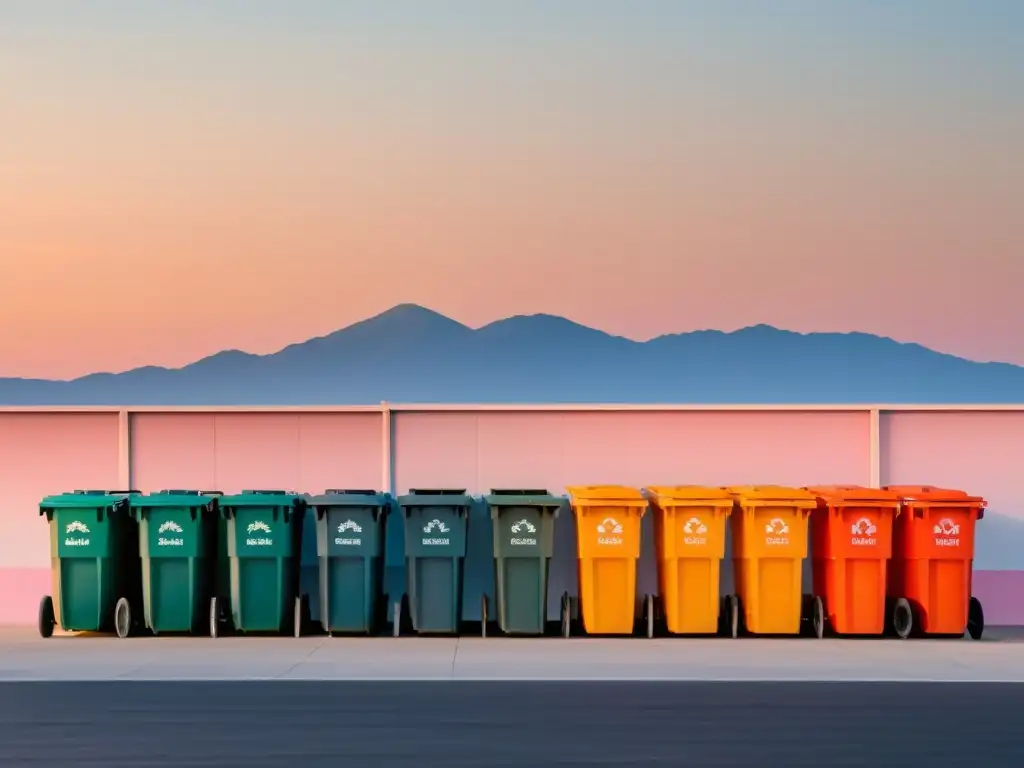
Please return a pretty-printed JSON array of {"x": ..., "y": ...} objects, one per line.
[{"x": 423, "y": 724}]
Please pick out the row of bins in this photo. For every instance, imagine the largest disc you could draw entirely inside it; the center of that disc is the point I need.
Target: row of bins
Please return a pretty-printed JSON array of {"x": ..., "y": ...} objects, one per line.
[{"x": 896, "y": 560}]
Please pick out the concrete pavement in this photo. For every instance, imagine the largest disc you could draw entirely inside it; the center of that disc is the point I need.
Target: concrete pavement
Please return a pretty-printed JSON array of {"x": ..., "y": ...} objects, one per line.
[{"x": 24, "y": 656}]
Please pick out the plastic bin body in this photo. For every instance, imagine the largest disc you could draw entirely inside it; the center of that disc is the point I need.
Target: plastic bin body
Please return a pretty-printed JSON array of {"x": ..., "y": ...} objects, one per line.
[
  {"x": 309, "y": 567},
  {"x": 94, "y": 557},
  {"x": 264, "y": 530},
  {"x": 689, "y": 530},
  {"x": 523, "y": 525},
  {"x": 851, "y": 544},
  {"x": 933, "y": 555},
  {"x": 350, "y": 528},
  {"x": 769, "y": 529},
  {"x": 435, "y": 551},
  {"x": 608, "y": 546},
  {"x": 178, "y": 547}
]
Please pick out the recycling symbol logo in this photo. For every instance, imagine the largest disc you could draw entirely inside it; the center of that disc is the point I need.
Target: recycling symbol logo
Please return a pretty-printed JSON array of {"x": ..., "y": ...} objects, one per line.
[
  {"x": 609, "y": 525},
  {"x": 864, "y": 527},
  {"x": 777, "y": 527},
  {"x": 947, "y": 527},
  {"x": 435, "y": 525},
  {"x": 695, "y": 526},
  {"x": 524, "y": 525}
]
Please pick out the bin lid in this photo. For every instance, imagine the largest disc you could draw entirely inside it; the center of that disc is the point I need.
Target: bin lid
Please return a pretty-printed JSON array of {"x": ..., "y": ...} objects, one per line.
[
  {"x": 689, "y": 496},
  {"x": 262, "y": 499},
  {"x": 110, "y": 500},
  {"x": 176, "y": 498},
  {"x": 523, "y": 497},
  {"x": 337, "y": 497},
  {"x": 620, "y": 495},
  {"x": 923, "y": 495},
  {"x": 855, "y": 495},
  {"x": 436, "y": 497},
  {"x": 773, "y": 495}
]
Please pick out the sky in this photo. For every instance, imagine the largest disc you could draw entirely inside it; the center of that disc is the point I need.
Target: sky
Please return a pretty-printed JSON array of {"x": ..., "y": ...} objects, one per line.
[{"x": 181, "y": 178}]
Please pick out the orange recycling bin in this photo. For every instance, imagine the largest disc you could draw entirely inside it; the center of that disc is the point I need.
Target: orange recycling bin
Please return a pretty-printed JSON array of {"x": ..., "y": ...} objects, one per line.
[
  {"x": 689, "y": 540},
  {"x": 933, "y": 558},
  {"x": 608, "y": 544},
  {"x": 851, "y": 543},
  {"x": 769, "y": 530}
]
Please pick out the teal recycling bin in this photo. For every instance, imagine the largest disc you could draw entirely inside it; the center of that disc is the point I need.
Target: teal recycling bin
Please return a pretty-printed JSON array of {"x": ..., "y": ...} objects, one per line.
[
  {"x": 435, "y": 549},
  {"x": 264, "y": 533},
  {"x": 350, "y": 528},
  {"x": 523, "y": 524},
  {"x": 95, "y": 567},
  {"x": 178, "y": 546}
]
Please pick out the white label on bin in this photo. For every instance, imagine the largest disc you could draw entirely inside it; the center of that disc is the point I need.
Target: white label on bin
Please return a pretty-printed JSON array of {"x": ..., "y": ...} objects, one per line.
[
  {"x": 436, "y": 541},
  {"x": 947, "y": 533},
  {"x": 258, "y": 541},
  {"x": 349, "y": 541},
  {"x": 863, "y": 532},
  {"x": 776, "y": 531},
  {"x": 169, "y": 526},
  {"x": 693, "y": 532},
  {"x": 523, "y": 526},
  {"x": 607, "y": 529},
  {"x": 76, "y": 526}
]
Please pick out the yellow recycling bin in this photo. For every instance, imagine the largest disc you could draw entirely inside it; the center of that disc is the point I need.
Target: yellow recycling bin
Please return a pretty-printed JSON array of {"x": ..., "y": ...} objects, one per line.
[
  {"x": 769, "y": 534},
  {"x": 689, "y": 536},
  {"x": 608, "y": 545}
]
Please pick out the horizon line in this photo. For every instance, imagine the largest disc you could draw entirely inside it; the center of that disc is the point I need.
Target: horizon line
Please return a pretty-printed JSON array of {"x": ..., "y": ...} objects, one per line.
[{"x": 384, "y": 407}]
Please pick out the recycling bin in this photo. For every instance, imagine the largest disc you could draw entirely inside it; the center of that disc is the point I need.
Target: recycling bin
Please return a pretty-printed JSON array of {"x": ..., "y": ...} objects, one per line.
[
  {"x": 264, "y": 533},
  {"x": 436, "y": 524},
  {"x": 769, "y": 534},
  {"x": 932, "y": 563},
  {"x": 523, "y": 525},
  {"x": 689, "y": 542},
  {"x": 851, "y": 544},
  {"x": 608, "y": 521},
  {"x": 350, "y": 528},
  {"x": 95, "y": 568},
  {"x": 178, "y": 547}
]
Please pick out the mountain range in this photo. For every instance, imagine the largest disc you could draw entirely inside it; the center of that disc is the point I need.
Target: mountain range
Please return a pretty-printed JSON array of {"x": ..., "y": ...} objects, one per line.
[{"x": 412, "y": 354}]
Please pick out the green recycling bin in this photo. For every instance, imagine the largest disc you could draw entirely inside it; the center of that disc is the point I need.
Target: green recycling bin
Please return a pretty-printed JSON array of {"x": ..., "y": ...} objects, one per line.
[
  {"x": 523, "y": 522},
  {"x": 178, "y": 546},
  {"x": 350, "y": 548},
  {"x": 435, "y": 551},
  {"x": 95, "y": 565},
  {"x": 264, "y": 533}
]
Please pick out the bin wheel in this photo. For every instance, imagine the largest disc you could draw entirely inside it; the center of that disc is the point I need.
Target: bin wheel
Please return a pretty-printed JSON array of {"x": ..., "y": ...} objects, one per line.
[
  {"x": 47, "y": 620},
  {"x": 483, "y": 615},
  {"x": 818, "y": 617},
  {"x": 732, "y": 616},
  {"x": 396, "y": 619},
  {"x": 975, "y": 619},
  {"x": 566, "y": 615},
  {"x": 297, "y": 617},
  {"x": 649, "y": 610},
  {"x": 214, "y": 618},
  {"x": 123, "y": 618},
  {"x": 902, "y": 618}
]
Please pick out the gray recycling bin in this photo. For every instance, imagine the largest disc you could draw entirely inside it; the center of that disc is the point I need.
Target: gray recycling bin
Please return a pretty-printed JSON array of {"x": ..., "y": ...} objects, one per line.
[
  {"x": 523, "y": 522},
  {"x": 436, "y": 523},
  {"x": 350, "y": 548}
]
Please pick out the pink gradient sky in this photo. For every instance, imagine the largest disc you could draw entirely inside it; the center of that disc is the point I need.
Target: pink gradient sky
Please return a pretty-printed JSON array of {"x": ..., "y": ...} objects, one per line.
[{"x": 176, "y": 184}]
